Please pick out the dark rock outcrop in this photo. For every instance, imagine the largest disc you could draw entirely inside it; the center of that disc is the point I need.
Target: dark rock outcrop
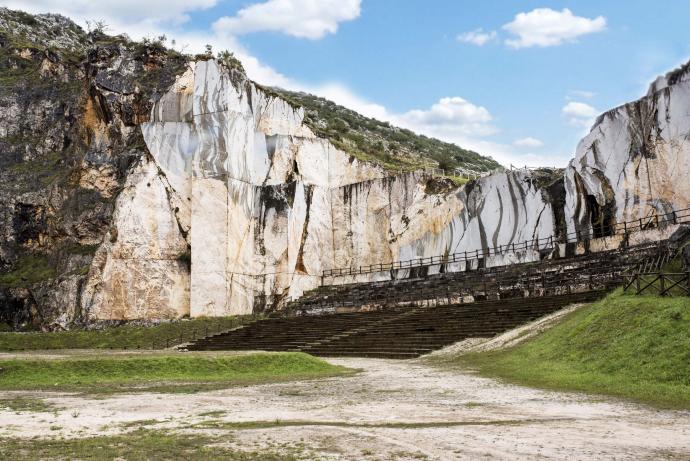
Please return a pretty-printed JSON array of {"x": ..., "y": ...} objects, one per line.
[{"x": 70, "y": 102}]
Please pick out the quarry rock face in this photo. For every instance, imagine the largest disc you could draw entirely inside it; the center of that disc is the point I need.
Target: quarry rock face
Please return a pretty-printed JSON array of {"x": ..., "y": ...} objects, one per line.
[
  {"x": 71, "y": 151},
  {"x": 635, "y": 160},
  {"x": 162, "y": 186},
  {"x": 248, "y": 176},
  {"x": 140, "y": 271},
  {"x": 269, "y": 206}
]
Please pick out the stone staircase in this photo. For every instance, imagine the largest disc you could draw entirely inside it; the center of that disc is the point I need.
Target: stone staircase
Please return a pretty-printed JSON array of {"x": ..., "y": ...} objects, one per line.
[
  {"x": 392, "y": 333},
  {"x": 411, "y": 317}
]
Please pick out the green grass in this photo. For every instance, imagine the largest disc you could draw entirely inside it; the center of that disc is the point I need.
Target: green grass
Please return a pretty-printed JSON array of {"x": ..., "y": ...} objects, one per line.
[
  {"x": 121, "y": 337},
  {"x": 458, "y": 180},
  {"x": 29, "y": 269},
  {"x": 253, "y": 425},
  {"x": 23, "y": 404},
  {"x": 142, "y": 445},
  {"x": 182, "y": 372},
  {"x": 636, "y": 347}
]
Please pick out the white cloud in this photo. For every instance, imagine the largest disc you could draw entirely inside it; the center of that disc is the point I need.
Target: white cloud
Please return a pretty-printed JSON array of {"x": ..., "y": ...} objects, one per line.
[
  {"x": 310, "y": 19},
  {"x": 342, "y": 95},
  {"x": 583, "y": 94},
  {"x": 579, "y": 110},
  {"x": 116, "y": 13},
  {"x": 546, "y": 27},
  {"x": 465, "y": 124},
  {"x": 450, "y": 115},
  {"x": 477, "y": 37},
  {"x": 579, "y": 113},
  {"x": 528, "y": 142}
]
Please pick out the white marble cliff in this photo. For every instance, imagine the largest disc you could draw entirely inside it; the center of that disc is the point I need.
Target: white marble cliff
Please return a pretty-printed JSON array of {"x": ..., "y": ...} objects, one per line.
[
  {"x": 239, "y": 185},
  {"x": 635, "y": 160}
]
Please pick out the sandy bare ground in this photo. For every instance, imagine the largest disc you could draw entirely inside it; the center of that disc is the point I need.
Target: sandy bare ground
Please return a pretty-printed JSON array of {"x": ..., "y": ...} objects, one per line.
[{"x": 453, "y": 415}]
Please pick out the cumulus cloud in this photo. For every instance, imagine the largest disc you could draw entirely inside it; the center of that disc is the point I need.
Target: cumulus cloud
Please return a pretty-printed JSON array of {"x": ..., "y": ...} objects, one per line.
[
  {"x": 583, "y": 94},
  {"x": 579, "y": 113},
  {"x": 546, "y": 27},
  {"x": 477, "y": 37},
  {"x": 117, "y": 13},
  {"x": 579, "y": 110},
  {"x": 453, "y": 114},
  {"x": 310, "y": 19},
  {"x": 342, "y": 95},
  {"x": 529, "y": 142}
]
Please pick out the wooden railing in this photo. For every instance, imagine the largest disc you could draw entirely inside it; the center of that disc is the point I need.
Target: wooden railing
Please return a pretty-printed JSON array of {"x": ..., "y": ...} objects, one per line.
[
  {"x": 534, "y": 281},
  {"x": 658, "y": 283},
  {"x": 545, "y": 243}
]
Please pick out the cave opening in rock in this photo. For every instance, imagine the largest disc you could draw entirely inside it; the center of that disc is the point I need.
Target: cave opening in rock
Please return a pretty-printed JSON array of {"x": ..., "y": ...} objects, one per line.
[{"x": 601, "y": 218}]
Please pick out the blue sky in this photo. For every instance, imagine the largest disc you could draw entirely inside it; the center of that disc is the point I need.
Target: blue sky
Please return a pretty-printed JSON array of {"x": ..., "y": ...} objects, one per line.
[{"x": 520, "y": 81}]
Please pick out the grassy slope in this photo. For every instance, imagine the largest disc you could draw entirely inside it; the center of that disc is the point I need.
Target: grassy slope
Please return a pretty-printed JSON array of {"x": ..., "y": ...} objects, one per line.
[
  {"x": 121, "y": 337},
  {"x": 633, "y": 347},
  {"x": 114, "y": 373}
]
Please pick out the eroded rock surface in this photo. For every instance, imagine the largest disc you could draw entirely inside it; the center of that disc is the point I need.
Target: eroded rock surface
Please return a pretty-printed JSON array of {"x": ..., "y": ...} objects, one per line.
[
  {"x": 140, "y": 183},
  {"x": 635, "y": 161},
  {"x": 70, "y": 105},
  {"x": 271, "y": 205}
]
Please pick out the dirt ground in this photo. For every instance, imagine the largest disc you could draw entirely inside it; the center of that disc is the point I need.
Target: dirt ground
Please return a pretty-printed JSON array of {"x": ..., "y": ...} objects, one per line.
[{"x": 391, "y": 410}]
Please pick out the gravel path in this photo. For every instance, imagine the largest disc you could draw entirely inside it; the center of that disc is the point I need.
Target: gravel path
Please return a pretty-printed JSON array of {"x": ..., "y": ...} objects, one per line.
[{"x": 392, "y": 410}]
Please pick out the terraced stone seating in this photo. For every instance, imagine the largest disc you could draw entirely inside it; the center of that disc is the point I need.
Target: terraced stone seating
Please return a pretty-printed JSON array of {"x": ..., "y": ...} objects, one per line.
[
  {"x": 593, "y": 271},
  {"x": 410, "y": 317},
  {"x": 286, "y": 333},
  {"x": 391, "y": 333}
]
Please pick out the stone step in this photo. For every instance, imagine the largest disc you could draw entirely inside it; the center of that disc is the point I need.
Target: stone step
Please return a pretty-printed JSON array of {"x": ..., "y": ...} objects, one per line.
[{"x": 387, "y": 334}]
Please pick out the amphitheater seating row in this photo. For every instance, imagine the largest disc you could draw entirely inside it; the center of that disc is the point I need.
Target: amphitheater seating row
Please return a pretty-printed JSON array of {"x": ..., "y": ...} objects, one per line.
[
  {"x": 594, "y": 271},
  {"x": 394, "y": 333}
]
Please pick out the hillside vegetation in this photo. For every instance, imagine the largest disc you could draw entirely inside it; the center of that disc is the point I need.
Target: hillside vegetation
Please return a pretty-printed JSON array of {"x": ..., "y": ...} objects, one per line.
[
  {"x": 365, "y": 138},
  {"x": 636, "y": 347},
  {"x": 371, "y": 140}
]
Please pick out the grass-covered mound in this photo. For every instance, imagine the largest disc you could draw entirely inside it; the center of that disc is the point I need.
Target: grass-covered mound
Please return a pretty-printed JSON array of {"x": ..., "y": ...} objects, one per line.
[
  {"x": 121, "y": 337},
  {"x": 636, "y": 347},
  {"x": 178, "y": 373}
]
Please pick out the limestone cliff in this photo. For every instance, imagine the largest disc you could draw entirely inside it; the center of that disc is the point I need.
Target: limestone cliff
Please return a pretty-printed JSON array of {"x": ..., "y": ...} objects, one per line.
[
  {"x": 269, "y": 205},
  {"x": 70, "y": 150},
  {"x": 277, "y": 205},
  {"x": 138, "y": 183},
  {"x": 635, "y": 160}
]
